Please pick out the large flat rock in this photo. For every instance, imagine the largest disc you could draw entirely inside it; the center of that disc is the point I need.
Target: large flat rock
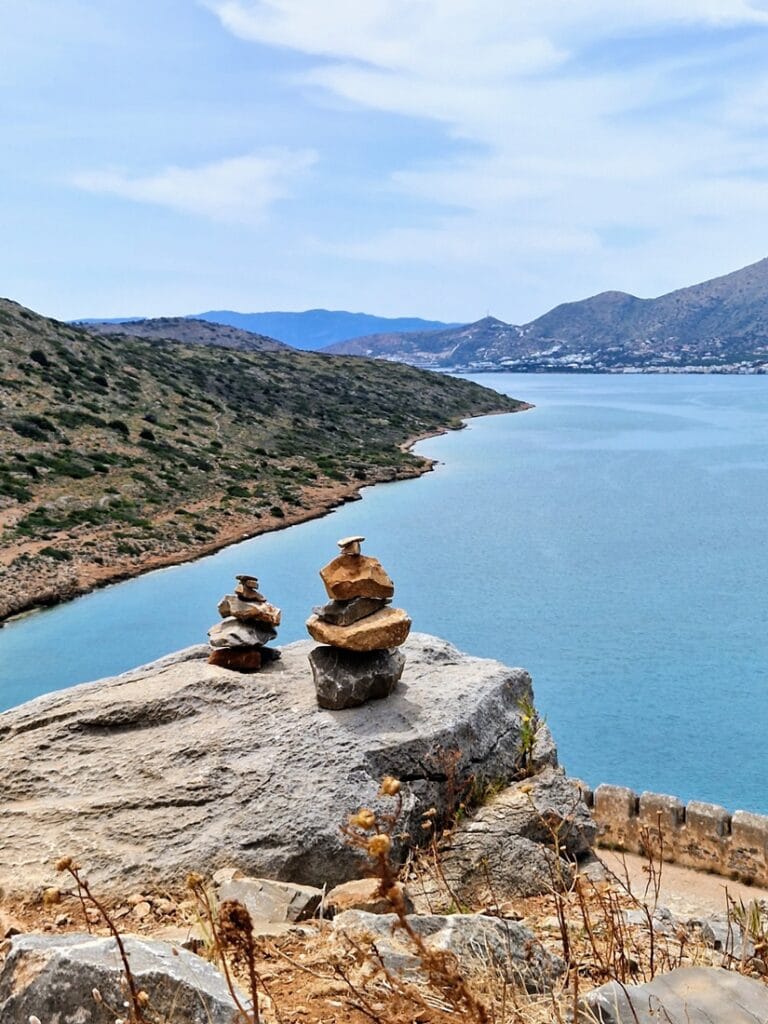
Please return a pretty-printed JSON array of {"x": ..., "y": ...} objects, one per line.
[{"x": 184, "y": 766}]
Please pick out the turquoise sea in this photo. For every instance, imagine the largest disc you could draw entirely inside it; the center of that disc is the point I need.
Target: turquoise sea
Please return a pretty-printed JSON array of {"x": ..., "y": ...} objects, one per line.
[{"x": 614, "y": 541}]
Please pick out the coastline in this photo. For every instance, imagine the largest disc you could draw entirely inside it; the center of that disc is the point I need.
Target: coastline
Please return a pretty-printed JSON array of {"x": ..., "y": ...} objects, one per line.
[{"x": 85, "y": 577}]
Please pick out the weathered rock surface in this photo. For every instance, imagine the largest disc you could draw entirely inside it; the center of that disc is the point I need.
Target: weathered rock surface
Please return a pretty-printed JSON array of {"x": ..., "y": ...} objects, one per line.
[
  {"x": 346, "y": 679},
  {"x": 351, "y": 576},
  {"x": 506, "y": 848},
  {"x": 265, "y": 900},
  {"x": 52, "y": 978},
  {"x": 359, "y": 894},
  {"x": 249, "y": 611},
  {"x": 478, "y": 943},
  {"x": 688, "y": 995},
  {"x": 232, "y": 633},
  {"x": 344, "y": 613},
  {"x": 182, "y": 766},
  {"x": 386, "y": 628}
]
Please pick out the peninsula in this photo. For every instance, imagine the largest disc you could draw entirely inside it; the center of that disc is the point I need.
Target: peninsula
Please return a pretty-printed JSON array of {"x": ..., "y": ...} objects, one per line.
[{"x": 122, "y": 454}]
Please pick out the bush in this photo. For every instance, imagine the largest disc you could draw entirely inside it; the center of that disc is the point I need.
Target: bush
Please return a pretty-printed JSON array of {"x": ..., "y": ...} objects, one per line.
[
  {"x": 36, "y": 428},
  {"x": 120, "y": 426},
  {"x": 57, "y": 554},
  {"x": 38, "y": 356}
]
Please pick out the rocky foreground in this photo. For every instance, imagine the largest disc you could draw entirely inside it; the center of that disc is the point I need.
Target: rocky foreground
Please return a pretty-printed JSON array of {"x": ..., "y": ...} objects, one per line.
[{"x": 190, "y": 794}]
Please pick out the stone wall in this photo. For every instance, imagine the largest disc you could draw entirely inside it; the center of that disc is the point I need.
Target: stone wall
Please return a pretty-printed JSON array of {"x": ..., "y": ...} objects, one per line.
[{"x": 697, "y": 835}]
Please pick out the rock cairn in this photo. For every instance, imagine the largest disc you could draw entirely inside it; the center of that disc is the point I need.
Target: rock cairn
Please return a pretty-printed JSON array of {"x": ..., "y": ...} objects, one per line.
[
  {"x": 248, "y": 623},
  {"x": 359, "y": 630}
]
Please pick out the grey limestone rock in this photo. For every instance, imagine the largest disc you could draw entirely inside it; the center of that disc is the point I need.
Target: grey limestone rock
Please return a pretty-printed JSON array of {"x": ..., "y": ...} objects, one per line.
[
  {"x": 231, "y": 632},
  {"x": 688, "y": 995},
  {"x": 723, "y": 935},
  {"x": 52, "y": 977},
  {"x": 506, "y": 849},
  {"x": 478, "y": 942},
  {"x": 346, "y": 679},
  {"x": 182, "y": 766},
  {"x": 265, "y": 900},
  {"x": 344, "y": 613}
]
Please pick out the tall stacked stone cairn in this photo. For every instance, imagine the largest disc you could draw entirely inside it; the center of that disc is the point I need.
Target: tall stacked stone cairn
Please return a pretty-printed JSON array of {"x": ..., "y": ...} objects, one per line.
[
  {"x": 248, "y": 623},
  {"x": 360, "y": 632}
]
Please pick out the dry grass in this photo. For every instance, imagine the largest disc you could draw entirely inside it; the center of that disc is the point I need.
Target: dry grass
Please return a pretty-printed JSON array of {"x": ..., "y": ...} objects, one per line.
[{"x": 602, "y": 929}]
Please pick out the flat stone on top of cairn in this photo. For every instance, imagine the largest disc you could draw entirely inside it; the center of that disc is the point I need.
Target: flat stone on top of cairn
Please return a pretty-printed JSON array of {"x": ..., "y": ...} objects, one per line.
[
  {"x": 248, "y": 623},
  {"x": 361, "y": 632}
]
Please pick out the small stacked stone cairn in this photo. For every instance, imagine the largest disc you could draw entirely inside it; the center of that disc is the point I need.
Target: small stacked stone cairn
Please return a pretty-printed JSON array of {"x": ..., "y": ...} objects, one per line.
[
  {"x": 359, "y": 629},
  {"x": 248, "y": 623}
]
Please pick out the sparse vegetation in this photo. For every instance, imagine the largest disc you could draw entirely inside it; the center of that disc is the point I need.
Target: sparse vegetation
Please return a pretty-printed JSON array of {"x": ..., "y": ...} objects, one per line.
[
  {"x": 97, "y": 432},
  {"x": 602, "y": 930}
]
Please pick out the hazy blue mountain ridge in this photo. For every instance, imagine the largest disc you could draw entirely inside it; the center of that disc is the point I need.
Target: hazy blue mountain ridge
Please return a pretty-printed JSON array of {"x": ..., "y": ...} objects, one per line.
[{"x": 317, "y": 328}]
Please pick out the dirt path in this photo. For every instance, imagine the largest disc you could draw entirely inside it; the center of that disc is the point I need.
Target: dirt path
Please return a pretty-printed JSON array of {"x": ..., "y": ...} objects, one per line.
[{"x": 683, "y": 890}]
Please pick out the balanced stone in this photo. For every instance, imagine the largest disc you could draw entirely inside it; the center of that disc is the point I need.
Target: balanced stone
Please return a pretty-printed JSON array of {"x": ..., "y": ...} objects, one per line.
[
  {"x": 350, "y": 545},
  {"x": 344, "y": 613},
  {"x": 388, "y": 627},
  {"x": 248, "y": 588},
  {"x": 249, "y": 611},
  {"x": 239, "y": 659},
  {"x": 346, "y": 679},
  {"x": 232, "y": 633},
  {"x": 351, "y": 576}
]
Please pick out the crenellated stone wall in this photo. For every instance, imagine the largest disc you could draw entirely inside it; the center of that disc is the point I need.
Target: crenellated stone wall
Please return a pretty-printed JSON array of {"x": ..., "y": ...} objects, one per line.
[{"x": 698, "y": 835}]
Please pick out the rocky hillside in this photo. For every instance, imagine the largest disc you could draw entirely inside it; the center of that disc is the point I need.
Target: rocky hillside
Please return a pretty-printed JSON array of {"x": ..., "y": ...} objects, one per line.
[
  {"x": 718, "y": 326},
  {"x": 188, "y": 331},
  {"x": 118, "y": 454}
]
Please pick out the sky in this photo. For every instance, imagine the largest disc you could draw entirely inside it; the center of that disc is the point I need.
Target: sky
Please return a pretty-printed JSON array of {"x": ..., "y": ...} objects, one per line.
[{"x": 436, "y": 158}]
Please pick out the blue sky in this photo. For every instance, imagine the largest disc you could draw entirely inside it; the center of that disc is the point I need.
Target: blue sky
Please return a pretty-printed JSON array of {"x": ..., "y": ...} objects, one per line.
[{"x": 440, "y": 158}]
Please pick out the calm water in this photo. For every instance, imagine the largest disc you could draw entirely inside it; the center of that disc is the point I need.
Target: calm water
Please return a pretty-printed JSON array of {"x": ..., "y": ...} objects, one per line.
[{"x": 612, "y": 541}]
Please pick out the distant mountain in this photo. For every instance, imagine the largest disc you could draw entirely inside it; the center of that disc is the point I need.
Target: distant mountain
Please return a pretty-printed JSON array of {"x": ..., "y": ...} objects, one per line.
[
  {"x": 317, "y": 328},
  {"x": 187, "y": 331},
  {"x": 720, "y": 325}
]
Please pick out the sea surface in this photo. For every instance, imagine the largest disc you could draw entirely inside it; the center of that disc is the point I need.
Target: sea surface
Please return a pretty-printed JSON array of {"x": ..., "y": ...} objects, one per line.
[{"x": 613, "y": 541}]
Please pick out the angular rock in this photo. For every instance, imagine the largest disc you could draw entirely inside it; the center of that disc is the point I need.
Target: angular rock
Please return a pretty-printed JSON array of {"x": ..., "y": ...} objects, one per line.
[
  {"x": 478, "y": 943},
  {"x": 351, "y": 576},
  {"x": 237, "y": 659},
  {"x": 506, "y": 848},
  {"x": 266, "y": 900},
  {"x": 249, "y": 611},
  {"x": 386, "y": 628},
  {"x": 344, "y": 613},
  {"x": 231, "y": 633},
  {"x": 52, "y": 978},
  {"x": 723, "y": 935},
  {"x": 690, "y": 995},
  {"x": 359, "y": 894},
  {"x": 232, "y": 774},
  {"x": 248, "y": 588},
  {"x": 346, "y": 679},
  {"x": 9, "y": 926}
]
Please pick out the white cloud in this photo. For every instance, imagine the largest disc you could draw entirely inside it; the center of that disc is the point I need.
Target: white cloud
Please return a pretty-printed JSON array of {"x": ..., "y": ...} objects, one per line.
[
  {"x": 560, "y": 156},
  {"x": 237, "y": 190},
  {"x": 480, "y": 39}
]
